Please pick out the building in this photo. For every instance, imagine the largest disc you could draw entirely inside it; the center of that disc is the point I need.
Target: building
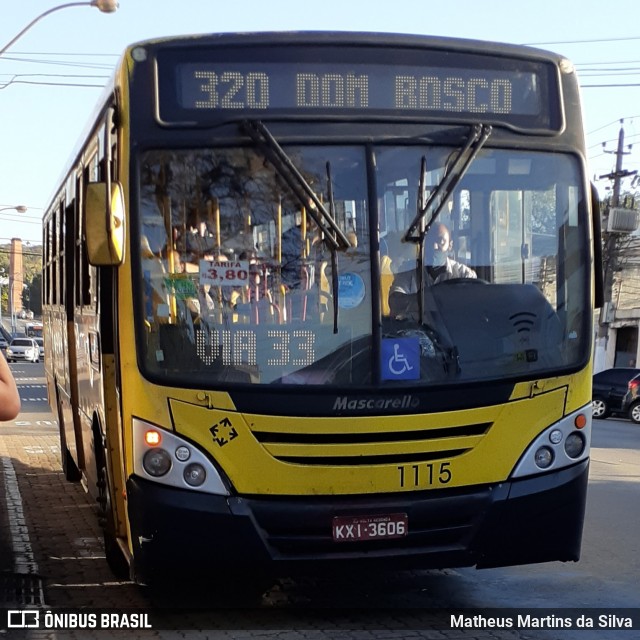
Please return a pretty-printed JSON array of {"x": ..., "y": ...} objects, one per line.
[{"x": 617, "y": 342}]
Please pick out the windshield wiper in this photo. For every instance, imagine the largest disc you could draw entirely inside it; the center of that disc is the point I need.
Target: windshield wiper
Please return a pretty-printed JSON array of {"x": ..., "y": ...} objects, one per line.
[
  {"x": 455, "y": 171},
  {"x": 332, "y": 233},
  {"x": 334, "y": 254},
  {"x": 453, "y": 174}
]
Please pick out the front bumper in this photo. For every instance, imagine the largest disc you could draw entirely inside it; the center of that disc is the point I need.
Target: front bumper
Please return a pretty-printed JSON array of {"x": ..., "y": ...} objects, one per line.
[
  {"x": 22, "y": 356},
  {"x": 536, "y": 519}
]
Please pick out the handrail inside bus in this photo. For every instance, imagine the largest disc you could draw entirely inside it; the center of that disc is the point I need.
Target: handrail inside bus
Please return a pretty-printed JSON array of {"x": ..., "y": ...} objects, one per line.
[{"x": 259, "y": 133}]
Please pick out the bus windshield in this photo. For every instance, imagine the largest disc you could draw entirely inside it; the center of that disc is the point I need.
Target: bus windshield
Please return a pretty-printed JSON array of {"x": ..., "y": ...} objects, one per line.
[
  {"x": 33, "y": 330},
  {"x": 241, "y": 282}
]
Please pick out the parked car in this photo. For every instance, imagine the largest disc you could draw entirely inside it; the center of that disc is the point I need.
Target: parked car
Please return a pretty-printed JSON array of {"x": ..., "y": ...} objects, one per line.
[
  {"x": 631, "y": 400},
  {"x": 40, "y": 342},
  {"x": 23, "y": 349},
  {"x": 609, "y": 389}
]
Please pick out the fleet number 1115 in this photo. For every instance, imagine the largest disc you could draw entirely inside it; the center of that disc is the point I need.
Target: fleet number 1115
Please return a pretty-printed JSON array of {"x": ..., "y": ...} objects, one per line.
[{"x": 425, "y": 474}]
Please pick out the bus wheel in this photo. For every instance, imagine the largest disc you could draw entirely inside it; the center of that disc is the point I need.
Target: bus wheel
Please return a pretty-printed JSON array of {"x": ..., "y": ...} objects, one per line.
[{"x": 115, "y": 558}]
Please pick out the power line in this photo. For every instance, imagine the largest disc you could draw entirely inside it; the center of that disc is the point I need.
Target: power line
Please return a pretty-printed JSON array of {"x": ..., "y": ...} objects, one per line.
[
  {"x": 53, "y": 84},
  {"x": 10, "y": 218},
  {"x": 619, "y": 39},
  {"x": 24, "y": 253},
  {"x": 15, "y": 80},
  {"x": 24, "y": 241},
  {"x": 598, "y": 144},
  {"x": 580, "y": 64},
  {"x": 30, "y": 244},
  {"x": 616, "y": 121},
  {"x": 599, "y": 73},
  {"x": 60, "y": 63},
  {"x": 67, "y": 53},
  {"x": 608, "y": 86}
]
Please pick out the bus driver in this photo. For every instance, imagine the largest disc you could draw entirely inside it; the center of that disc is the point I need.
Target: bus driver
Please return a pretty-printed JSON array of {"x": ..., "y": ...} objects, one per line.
[{"x": 438, "y": 268}]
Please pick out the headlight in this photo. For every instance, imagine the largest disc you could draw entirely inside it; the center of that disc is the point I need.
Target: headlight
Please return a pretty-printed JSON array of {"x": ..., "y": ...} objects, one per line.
[
  {"x": 156, "y": 462},
  {"x": 162, "y": 456},
  {"x": 561, "y": 445},
  {"x": 574, "y": 446},
  {"x": 544, "y": 457},
  {"x": 195, "y": 475}
]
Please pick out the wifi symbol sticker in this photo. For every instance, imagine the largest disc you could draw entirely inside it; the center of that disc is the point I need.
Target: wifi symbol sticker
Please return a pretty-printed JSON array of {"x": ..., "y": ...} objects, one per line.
[{"x": 523, "y": 321}]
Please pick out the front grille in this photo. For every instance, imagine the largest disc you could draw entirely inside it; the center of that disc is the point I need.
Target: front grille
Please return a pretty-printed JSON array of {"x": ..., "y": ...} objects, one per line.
[
  {"x": 353, "y": 447},
  {"x": 437, "y": 524}
]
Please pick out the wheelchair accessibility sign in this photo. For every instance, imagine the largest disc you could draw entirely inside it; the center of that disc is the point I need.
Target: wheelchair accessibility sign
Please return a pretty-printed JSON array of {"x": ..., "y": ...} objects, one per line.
[{"x": 400, "y": 359}]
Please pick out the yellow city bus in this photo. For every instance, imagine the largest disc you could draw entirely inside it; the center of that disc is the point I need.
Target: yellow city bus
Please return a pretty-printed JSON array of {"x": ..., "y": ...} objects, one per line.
[{"x": 259, "y": 356}]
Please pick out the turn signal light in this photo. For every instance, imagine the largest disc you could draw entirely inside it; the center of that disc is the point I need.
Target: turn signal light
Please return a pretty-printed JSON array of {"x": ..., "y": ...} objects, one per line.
[
  {"x": 152, "y": 438},
  {"x": 580, "y": 421}
]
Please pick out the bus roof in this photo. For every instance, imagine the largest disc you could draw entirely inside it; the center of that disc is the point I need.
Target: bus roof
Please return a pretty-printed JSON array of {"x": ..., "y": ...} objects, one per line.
[{"x": 357, "y": 38}]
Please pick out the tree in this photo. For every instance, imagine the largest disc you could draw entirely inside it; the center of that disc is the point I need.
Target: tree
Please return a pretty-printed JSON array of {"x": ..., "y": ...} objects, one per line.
[
  {"x": 31, "y": 268},
  {"x": 32, "y": 294}
]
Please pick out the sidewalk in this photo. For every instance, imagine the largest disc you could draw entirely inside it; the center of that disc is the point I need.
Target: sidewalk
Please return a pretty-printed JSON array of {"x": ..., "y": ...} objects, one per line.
[{"x": 22, "y": 449}]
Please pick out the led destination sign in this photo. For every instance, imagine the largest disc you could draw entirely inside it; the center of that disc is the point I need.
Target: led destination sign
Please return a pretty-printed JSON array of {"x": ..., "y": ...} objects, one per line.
[
  {"x": 519, "y": 95},
  {"x": 263, "y": 87}
]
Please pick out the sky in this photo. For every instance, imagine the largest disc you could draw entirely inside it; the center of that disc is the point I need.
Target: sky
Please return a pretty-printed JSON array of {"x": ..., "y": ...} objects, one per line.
[{"x": 42, "y": 113}]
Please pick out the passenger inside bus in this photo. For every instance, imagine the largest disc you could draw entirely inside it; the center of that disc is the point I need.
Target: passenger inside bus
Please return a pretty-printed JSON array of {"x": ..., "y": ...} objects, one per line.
[
  {"x": 199, "y": 241},
  {"x": 155, "y": 290}
]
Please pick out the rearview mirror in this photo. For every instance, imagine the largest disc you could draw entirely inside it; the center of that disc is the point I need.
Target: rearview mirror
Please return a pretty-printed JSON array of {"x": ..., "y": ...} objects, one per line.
[{"x": 104, "y": 224}]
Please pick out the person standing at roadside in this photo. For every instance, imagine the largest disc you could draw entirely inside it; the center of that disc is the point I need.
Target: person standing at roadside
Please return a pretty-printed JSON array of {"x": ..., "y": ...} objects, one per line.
[{"x": 9, "y": 396}]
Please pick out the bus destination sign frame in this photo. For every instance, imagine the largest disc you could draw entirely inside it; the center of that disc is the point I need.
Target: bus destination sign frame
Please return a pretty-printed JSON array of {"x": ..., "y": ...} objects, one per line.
[{"x": 197, "y": 87}]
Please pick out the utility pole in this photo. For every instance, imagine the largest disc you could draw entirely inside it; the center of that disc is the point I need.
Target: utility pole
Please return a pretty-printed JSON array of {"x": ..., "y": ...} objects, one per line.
[
  {"x": 618, "y": 174},
  {"x": 612, "y": 234}
]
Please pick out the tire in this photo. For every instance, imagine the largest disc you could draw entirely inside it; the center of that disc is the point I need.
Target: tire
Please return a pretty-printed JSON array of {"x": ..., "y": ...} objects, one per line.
[
  {"x": 600, "y": 408},
  {"x": 69, "y": 469},
  {"x": 634, "y": 412},
  {"x": 115, "y": 558}
]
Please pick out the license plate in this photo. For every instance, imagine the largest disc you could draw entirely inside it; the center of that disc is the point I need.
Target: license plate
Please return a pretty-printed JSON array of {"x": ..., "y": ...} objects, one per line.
[{"x": 380, "y": 527}]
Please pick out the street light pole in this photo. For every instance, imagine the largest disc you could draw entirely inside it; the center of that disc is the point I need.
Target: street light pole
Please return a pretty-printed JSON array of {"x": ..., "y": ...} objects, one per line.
[
  {"x": 19, "y": 208},
  {"x": 105, "y": 6},
  {"x": 13, "y": 317},
  {"x": 1, "y": 283}
]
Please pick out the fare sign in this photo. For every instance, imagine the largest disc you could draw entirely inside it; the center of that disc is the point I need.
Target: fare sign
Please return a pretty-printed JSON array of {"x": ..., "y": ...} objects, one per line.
[{"x": 224, "y": 273}]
